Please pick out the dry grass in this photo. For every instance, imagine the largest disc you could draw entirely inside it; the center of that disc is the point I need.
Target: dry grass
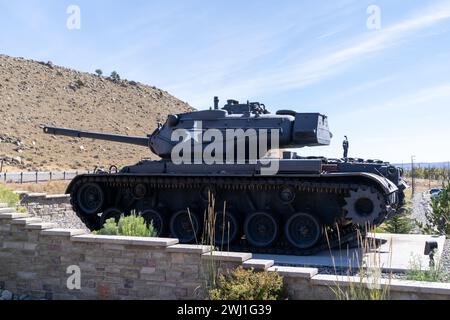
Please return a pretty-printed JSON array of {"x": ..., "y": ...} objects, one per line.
[
  {"x": 53, "y": 187},
  {"x": 423, "y": 185},
  {"x": 368, "y": 284}
]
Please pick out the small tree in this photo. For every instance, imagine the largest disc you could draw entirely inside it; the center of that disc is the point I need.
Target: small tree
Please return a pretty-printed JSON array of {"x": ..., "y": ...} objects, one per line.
[
  {"x": 401, "y": 223},
  {"x": 115, "y": 77},
  {"x": 439, "y": 217},
  {"x": 99, "y": 72}
]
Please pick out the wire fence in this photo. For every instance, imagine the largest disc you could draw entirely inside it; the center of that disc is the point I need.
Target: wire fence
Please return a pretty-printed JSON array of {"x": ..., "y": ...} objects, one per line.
[{"x": 39, "y": 176}]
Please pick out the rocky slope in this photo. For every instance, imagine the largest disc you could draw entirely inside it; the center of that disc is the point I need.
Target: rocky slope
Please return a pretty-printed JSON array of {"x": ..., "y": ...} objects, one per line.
[{"x": 33, "y": 94}]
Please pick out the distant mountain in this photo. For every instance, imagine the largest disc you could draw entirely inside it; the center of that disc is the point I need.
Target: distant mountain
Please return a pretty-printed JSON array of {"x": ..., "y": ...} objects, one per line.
[{"x": 440, "y": 165}]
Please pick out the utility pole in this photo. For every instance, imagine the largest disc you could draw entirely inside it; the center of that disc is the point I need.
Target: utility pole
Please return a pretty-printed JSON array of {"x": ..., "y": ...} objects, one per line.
[
  {"x": 429, "y": 176},
  {"x": 448, "y": 171},
  {"x": 413, "y": 186}
]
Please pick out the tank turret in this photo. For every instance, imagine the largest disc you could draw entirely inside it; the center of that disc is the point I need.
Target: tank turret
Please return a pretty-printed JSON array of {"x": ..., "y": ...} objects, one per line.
[{"x": 250, "y": 121}]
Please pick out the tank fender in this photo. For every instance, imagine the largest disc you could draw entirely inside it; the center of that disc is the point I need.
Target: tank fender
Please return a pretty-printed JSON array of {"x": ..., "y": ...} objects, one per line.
[{"x": 388, "y": 186}]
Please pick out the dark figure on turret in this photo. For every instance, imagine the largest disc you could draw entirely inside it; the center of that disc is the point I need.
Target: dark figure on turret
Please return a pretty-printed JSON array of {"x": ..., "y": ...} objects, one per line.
[{"x": 345, "y": 145}]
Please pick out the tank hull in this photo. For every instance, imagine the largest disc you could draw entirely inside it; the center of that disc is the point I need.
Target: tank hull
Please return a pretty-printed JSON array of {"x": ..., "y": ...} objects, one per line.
[{"x": 308, "y": 206}]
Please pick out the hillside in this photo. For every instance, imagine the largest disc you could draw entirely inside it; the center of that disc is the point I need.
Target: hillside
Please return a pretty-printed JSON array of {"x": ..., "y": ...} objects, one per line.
[{"x": 33, "y": 94}]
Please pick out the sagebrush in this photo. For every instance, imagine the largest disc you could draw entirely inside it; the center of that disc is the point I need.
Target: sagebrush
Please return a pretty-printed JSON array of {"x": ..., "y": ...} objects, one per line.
[
  {"x": 132, "y": 226},
  {"x": 8, "y": 196},
  {"x": 242, "y": 284}
]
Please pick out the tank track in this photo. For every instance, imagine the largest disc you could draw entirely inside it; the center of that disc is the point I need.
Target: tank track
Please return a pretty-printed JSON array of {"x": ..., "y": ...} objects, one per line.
[{"x": 337, "y": 237}]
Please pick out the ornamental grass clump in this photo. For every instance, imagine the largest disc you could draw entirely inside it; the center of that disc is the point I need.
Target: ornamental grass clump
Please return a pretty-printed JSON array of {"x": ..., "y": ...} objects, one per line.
[
  {"x": 368, "y": 283},
  {"x": 418, "y": 272}
]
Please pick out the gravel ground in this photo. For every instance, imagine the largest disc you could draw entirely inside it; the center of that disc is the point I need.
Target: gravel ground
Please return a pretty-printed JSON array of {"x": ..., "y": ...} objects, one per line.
[
  {"x": 420, "y": 206},
  {"x": 69, "y": 221},
  {"x": 355, "y": 272},
  {"x": 445, "y": 259}
]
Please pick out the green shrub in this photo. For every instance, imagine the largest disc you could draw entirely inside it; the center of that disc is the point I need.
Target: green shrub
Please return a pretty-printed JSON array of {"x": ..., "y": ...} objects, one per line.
[
  {"x": 132, "y": 226},
  {"x": 99, "y": 72},
  {"x": 8, "y": 196},
  {"x": 110, "y": 228},
  {"x": 114, "y": 77},
  {"x": 439, "y": 217},
  {"x": 400, "y": 224},
  {"x": 244, "y": 284}
]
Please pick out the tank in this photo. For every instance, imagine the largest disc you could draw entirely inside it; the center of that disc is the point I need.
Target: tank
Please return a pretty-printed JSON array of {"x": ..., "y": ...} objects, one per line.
[{"x": 284, "y": 204}]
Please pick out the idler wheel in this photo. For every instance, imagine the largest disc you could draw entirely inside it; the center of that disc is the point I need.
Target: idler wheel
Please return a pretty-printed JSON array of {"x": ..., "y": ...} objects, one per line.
[
  {"x": 226, "y": 228},
  {"x": 154, "y": 217},
  {"x": 261, "y": 229},
  {"x": 90, "y": 198},
  {"x": 111, "y": 213},
  {"x": 185, "y": 226},
  {"x": 303, "y": 230}
]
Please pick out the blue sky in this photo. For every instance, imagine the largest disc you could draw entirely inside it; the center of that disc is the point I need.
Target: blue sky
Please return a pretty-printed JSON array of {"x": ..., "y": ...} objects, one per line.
[{"x": 387, "y": 89}]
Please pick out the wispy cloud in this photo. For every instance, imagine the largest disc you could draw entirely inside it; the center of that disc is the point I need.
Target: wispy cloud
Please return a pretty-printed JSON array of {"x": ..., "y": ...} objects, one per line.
[
  {"x": 422, "y": 98},
  {"x": 306, "y": 71}
]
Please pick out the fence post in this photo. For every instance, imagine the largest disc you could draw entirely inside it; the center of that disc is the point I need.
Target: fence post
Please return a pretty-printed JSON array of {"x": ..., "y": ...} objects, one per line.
[
  {"x": 37, "y": 178},
  {"x": 21, "y": 178},
  {"x": 64, "y": 175},
  {"x": 50, "y": 176}
]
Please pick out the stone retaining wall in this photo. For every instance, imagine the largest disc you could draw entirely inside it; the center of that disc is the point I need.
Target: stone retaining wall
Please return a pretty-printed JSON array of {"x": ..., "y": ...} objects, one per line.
[
  {"x": 46, "y": 206},
  {"x": 34, "y": 258}
]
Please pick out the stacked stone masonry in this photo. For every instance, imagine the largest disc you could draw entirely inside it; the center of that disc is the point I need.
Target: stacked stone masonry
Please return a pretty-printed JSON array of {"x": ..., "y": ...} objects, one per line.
[
  {"x": 35, "y": 257},
  {"x": 46, "y": 206}
]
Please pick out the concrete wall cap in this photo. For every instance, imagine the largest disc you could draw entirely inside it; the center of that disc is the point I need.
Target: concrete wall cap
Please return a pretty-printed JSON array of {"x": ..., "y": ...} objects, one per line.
[
  {"x": 139, "y": 241},
  {"x": 41, "y": 226},
  {"x": 419, "y": 286},
  {"x": 227, "y": 256},
  {"x": 57, "y": 196},
  {"x": 7, "y": 210},
  {"x": 395, "y": 285},
  {"x": 36, "y": 195},
  {"x": 258, "y": 264},
  {"x": 14, "y": 215},
  {"x": 296, "y": 272},
  {"x": 24, "y": 221},
  {"x": 63, "y": 232},
  {"x": 189, "y": 248}
]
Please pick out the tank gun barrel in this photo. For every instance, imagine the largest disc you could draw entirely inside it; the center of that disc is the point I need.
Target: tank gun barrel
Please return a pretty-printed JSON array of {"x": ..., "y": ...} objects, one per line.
[{"x": 140, "y": 141}]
